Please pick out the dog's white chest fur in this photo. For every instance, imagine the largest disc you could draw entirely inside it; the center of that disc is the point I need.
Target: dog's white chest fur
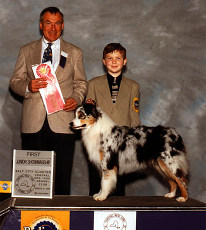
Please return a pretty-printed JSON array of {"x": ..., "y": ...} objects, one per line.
[{"x": 92, "y": 137}]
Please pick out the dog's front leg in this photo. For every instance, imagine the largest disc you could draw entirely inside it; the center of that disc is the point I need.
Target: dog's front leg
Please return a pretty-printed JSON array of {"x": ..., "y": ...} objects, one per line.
[{"x": 108, "y": 184}]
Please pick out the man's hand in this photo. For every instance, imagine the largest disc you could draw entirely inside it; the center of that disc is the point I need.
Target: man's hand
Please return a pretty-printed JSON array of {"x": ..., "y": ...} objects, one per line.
[
  {"x": 70, "y": 105},
  {"x": 36, "y": 84}
]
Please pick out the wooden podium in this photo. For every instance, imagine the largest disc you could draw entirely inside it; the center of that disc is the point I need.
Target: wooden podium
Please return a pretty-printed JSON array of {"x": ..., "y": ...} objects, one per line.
[{"x": 151, "y": 212}]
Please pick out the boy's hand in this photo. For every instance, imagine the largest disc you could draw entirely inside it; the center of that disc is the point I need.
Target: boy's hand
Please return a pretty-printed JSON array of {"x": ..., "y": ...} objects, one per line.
[
  {"x": 90, "y": 101},
  {"x": 70, "y": 105}
]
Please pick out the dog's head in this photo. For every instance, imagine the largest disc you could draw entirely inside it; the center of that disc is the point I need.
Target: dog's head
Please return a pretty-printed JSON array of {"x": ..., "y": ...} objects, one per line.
[{"x": 85, "y": 115}]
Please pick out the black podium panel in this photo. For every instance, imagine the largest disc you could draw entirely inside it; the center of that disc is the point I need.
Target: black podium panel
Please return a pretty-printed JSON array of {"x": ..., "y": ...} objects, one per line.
[{"x": 80, "y": 212}]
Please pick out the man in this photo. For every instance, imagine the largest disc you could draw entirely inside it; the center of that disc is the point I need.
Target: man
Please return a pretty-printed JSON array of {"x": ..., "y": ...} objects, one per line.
[{"x": 41, "y": 131}]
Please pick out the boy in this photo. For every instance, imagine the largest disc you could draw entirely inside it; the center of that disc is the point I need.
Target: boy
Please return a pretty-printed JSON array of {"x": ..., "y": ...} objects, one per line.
[{"x": 117, "y": 96}]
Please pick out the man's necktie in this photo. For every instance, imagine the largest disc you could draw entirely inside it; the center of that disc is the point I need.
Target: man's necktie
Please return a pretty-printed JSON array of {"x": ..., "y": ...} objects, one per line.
[{"x": 47, "y": 56}]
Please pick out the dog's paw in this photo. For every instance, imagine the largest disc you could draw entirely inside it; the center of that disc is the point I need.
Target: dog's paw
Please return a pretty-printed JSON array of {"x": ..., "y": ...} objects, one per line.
[
  {"x": 99, "y": 197},
  {"x": 181, "y": 199},
  {"x": 170, "y": 195}
]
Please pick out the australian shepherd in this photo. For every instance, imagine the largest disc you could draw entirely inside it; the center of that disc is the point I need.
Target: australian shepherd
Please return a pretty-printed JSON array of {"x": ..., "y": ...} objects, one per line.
[{"x": 119, "y": 150}]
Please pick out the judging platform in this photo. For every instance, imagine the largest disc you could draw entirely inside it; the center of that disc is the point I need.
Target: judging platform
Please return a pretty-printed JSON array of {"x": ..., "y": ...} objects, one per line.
[{"x": 81, "y": 209}]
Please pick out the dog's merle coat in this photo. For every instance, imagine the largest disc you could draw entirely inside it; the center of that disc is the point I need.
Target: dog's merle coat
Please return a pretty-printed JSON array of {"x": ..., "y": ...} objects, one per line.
[{"x": 120, "y": 149}]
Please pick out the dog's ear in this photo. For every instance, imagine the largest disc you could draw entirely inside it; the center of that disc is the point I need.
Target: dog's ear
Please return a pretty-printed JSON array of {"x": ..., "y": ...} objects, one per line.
[{"x": 91, "y": 109}]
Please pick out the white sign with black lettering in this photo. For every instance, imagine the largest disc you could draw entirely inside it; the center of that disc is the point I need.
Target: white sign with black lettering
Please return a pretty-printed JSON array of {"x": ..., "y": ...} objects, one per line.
[{"x": 33, "y": 174}]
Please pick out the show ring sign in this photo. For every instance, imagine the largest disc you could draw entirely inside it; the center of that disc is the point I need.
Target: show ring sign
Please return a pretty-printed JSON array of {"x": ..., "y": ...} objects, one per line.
[{"x": 33, "y": 174}]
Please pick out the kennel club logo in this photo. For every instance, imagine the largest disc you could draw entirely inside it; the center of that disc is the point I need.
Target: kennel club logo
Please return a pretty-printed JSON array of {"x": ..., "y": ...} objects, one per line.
[
  {"x": 25, "y": 183},
  {"x": 115, "y": 221},
  {"x": 107, "y": 220}
]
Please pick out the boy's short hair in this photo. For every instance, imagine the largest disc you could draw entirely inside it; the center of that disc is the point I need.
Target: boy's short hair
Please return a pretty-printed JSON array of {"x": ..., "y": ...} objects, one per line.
[{"x": 111, "y": 47}]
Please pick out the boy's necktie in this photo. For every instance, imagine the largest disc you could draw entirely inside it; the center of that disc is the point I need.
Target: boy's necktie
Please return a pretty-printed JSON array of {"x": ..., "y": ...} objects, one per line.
[
  {"x": 47, "y": 56},
  {"x": 115, "y": 90}
]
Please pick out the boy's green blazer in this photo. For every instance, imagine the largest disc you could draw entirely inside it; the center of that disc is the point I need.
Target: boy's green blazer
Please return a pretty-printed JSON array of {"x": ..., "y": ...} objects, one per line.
[{"x": 125, "y": 111}]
